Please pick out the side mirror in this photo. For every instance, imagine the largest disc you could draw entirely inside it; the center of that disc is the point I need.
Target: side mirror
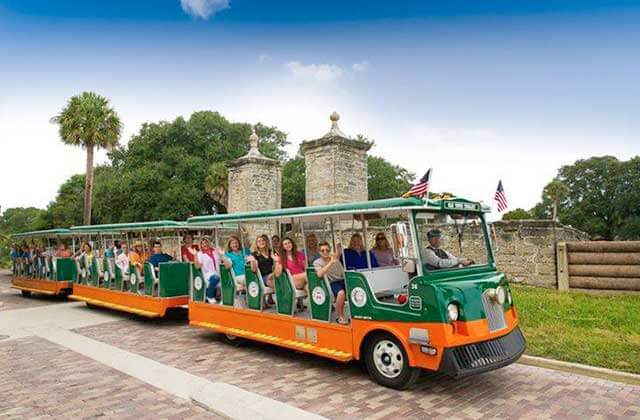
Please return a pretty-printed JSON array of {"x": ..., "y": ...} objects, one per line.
[{"x": 400, "y": 234}]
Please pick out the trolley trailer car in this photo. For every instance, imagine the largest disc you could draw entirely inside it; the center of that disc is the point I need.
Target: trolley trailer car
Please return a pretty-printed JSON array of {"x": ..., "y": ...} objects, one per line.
[
  {"x": 404, "y": 318},
  {"x": 138, "y": 288},
  {"x": 36, "y": 268}
]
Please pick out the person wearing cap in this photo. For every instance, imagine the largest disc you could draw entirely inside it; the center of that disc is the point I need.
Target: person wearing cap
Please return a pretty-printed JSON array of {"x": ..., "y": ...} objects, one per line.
[{"x": 436, "y": 258}]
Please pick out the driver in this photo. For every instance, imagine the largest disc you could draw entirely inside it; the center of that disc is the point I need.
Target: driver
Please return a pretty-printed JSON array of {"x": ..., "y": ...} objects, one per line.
[{"x": 436, "y": 258}]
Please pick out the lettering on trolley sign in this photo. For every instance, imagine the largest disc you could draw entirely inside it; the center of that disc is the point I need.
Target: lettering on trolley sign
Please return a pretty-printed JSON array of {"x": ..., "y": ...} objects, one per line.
[{"x": 456, "y": 205}]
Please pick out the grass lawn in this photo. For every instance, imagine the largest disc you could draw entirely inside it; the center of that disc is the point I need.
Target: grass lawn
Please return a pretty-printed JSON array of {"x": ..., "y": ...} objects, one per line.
[{"x": 580, "y": 327}]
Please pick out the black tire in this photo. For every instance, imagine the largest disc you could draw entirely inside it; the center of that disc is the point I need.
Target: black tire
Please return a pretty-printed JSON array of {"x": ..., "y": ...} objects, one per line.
[
  {"x": 92, "y": 306},
  {"x": 26, "y": 293},
  {"x": 233, "y": 340},
  {"x": 387, "y": 362}
]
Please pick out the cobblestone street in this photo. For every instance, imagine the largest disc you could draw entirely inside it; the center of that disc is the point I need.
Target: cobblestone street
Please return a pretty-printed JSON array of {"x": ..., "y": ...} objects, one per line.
[{"x": 41, "y": 378}]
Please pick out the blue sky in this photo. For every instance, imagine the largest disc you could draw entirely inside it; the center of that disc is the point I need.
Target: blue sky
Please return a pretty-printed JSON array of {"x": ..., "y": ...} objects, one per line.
[{"x": 478, "y": 90}]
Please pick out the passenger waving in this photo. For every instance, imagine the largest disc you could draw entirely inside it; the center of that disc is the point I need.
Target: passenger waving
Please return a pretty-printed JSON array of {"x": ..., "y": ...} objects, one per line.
[
  {"x": 294, "y": 261},
  {"x": 208, "y": 260}
]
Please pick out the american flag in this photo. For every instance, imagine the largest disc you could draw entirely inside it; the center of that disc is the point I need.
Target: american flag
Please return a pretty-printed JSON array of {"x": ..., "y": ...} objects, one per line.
[
  {"x": 420, "y": 188},
  {"x": 501, "y": 198}
]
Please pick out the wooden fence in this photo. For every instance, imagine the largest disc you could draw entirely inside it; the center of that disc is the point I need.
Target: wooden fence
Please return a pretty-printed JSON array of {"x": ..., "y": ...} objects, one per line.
[{"x": 599, "y": 265}]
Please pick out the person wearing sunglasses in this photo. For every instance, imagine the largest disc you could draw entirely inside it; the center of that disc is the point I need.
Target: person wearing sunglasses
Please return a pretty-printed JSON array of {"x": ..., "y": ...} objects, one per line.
[
  {"x": 383, "y": 252},
  {"x": 329, "y": 266}
]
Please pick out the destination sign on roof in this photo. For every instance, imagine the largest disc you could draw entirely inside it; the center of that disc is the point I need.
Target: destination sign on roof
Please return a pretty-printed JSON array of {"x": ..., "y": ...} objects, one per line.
[{"x": 461, "y": 205}]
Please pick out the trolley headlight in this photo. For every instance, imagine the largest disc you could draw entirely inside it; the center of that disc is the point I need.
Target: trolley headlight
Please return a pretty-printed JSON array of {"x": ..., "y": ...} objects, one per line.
[
  {"x": 498, "y": 295},
  {"x": 452, "y": 312},
  {"x": 509, "y": 297}
]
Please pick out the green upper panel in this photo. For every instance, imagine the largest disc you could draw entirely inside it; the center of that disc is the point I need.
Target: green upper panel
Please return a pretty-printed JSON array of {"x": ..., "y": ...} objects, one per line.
[
  {"x": 42, "y": 233},
  {"x": 128, "y": 227},
  {"x": 451, "y": 205}
]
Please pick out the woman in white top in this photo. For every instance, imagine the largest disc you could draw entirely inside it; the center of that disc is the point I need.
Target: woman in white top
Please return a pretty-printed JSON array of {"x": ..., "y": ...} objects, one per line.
[
  {"x": 208, "y": 260},
  {"x": 122, "y": 260}
]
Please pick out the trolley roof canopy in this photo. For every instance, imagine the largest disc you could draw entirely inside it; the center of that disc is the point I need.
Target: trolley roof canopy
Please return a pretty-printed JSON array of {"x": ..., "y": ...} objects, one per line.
[
  {"x": 458, "y": 205},
  {"x": 48, "y": 233},
  {"x": 157, "y": 225}
]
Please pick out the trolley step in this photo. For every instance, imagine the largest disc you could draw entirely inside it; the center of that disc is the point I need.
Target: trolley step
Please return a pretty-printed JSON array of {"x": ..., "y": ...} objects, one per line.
[
  {"x": 116, "y": 307},
  {"x": 29, "y": 289},
  {"x": 266, "y": 338}
]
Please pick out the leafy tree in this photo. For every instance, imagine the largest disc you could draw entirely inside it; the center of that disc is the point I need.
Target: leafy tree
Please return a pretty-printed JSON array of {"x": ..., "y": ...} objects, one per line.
[
  {"x": 67, "y": 208},
  {"x": 22, "y": 219},
  {"x": 387, "y": 180},
  {"x": 602, "y": 197},
  {"x": 162, "y": 172},
  {"x": 293, "y": 182},
  {"x": 88, "y": 121},
  {"x": 16, "y": 220},
  {"x": 217, "y": 184},
  {"x": 517, "y": 214}
]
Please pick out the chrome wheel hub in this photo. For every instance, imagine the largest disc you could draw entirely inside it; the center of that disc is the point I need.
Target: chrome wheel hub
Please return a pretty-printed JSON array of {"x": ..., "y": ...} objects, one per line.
[{"x": 388, "y": 359}]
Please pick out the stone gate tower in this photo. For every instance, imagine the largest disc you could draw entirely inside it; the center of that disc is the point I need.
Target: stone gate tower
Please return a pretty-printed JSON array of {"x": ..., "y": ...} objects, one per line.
[
  {"x": 255, "y": 183},
  {"x": 335, "y": 168}
]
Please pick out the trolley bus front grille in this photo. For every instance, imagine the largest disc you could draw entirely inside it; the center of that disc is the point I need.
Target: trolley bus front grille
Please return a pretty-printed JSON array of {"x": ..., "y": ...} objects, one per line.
[
  {"x": 494, "y": 313},
  {"x": 483, "y": 356}
]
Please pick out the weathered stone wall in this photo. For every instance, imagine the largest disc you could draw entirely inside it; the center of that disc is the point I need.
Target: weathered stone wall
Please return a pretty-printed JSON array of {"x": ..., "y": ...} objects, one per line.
[
  {"x": 335, "y": 170},
  {"x": 255, "y": 184},
  {"x": 524, "y": 249}
]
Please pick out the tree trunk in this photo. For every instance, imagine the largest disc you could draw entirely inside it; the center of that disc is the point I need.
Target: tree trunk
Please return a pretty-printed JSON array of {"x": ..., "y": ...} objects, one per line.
[
  {"x": 554, "y": 215},
  {"x": 88, "y": 187}
]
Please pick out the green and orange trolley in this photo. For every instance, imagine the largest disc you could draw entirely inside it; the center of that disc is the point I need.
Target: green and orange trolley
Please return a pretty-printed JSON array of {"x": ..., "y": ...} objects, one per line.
[
  {"x": 144, "y": 290},
  {"x": 38, "y": 270},
  {"x": 459, "y": 321}
]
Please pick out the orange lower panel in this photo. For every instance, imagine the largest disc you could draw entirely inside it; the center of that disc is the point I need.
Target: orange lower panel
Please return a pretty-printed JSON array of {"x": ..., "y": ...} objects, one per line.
[
  {"x": 48, "y": 287},
  {"x": 148, "y": 306},
  {"x": 441, "y": 336},
  {"x": 340, "y": 342},
  {"x": 323, "y": 339}
]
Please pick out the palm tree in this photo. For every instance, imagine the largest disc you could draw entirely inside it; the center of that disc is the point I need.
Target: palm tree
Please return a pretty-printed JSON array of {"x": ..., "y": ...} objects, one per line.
[
  {"x": 88, "y": 121},
  {"x": 217, "y": 183},
  {"x": 556, "y": 191}
]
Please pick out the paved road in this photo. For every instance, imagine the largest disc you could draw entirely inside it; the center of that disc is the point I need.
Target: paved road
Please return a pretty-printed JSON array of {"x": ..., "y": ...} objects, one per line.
[{"x": 47, "y": 377}]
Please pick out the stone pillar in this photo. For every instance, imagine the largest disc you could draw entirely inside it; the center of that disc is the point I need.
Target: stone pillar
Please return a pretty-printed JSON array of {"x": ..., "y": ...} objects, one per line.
[
  {"x": 255, "y": 183},
  {"x": 335, "y": 168}
]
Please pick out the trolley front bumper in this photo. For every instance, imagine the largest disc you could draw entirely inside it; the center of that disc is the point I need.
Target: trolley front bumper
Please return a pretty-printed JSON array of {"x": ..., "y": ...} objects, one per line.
[{"x": 484, "y": 356}]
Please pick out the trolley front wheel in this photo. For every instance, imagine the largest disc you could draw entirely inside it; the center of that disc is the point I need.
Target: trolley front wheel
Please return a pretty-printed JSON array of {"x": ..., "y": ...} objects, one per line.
[{"x": 388, "y": 364}]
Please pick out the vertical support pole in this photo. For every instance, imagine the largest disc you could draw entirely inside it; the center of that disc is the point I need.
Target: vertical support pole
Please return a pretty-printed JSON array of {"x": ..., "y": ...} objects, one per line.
[
  {"x": 563, "y": 266},
  {"x": 304, "y": 241},
  {"x": 365, "y": 235},
  {"x": 333, "y": 236}
]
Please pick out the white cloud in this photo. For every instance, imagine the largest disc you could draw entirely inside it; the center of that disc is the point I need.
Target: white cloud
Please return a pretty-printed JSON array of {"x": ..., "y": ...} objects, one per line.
[
  {"x": 316, "y": 72},
  {"x": 203, "y": 9},
  {"x": 360, "y": 67}
]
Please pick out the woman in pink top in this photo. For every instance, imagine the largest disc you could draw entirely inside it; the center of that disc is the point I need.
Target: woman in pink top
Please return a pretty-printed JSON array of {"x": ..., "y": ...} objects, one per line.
[{"x": 294, "y": 261}]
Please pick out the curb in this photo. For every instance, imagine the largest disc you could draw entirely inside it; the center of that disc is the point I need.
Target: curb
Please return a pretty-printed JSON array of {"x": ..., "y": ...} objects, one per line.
[{"x": 580, "y": 369}]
